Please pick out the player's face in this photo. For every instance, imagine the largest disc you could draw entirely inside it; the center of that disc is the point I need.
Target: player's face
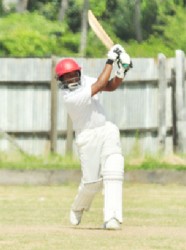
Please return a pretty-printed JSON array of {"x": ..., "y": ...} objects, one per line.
[{"x": 71, "y": 77}]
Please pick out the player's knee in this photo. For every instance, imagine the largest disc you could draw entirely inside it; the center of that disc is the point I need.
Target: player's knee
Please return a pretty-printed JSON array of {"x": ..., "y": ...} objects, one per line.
[
  {"x": 114, "y": 167},
  {"x": 92, "y": 188}
]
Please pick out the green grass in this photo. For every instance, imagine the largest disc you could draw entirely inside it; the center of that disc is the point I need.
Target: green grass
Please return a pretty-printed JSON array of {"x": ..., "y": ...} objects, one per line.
[
  {"x": 37, "y": 218},
  {"x": 149, "y": 162},
  {"x": 21, "y": 161}
]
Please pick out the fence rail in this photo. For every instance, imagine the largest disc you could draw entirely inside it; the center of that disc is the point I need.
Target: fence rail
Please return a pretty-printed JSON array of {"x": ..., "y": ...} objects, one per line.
[{"x": 149, "y": 107}]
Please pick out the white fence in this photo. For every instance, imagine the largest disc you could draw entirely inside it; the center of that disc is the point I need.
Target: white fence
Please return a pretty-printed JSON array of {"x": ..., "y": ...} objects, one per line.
[{"x": 149, "y": 107}]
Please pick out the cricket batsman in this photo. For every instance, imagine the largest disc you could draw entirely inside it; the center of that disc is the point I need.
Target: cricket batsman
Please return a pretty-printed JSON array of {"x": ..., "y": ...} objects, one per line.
[{"x": 97, "y": 139}]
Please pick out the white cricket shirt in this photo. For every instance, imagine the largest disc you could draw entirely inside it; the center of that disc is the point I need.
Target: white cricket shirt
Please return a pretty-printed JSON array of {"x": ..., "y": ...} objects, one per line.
[{"x": 85, "y": 110}]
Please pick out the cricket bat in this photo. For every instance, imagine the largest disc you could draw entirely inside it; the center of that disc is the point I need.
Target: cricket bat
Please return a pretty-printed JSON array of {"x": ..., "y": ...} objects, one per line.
[{"x": 99, "y": 31}]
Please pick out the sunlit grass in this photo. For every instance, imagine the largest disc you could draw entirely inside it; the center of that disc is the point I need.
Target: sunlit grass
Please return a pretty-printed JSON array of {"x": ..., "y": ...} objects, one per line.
[
  {"x": 152, "y": 162},
  {"x": 37, "y": 218},
  {"x": 19, "y": 160}
]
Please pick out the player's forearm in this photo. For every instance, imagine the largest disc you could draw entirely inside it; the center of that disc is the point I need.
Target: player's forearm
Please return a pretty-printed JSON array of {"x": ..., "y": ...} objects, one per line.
[
  {"x": 113, "y": 84},
  {"x": 102, "y": 80}
]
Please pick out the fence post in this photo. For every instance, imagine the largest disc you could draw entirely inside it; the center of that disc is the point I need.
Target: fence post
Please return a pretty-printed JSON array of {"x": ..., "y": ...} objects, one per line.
[
  {"x": 162, "y": 129},
  {"x": 53, "y": 132},
  {"x": 180, "y": 100},
  {"x": 173, "y": 106},
  {"x": 69, "y": 139}
]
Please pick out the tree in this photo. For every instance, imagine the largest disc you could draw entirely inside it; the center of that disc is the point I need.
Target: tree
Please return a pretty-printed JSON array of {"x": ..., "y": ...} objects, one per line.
[
  {"x": 149, "y": 12},
  {"x": 73, "y": 16},
  {"x": 137, "y": 20},
  {"x": 22, "y": 6},
  {"x": 84, "y": 28},
  {"x": 62, "y": 11},
  {"x": 171, "y": 28},
  {"x": 1, "y": 7}
]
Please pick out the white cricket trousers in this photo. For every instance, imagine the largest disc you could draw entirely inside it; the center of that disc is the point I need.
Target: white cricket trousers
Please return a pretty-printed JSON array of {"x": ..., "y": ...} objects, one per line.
[{"x": 101, "y": 162}]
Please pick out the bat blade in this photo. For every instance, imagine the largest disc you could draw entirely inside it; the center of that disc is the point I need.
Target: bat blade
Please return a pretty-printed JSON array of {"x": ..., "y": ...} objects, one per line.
[{"x": 99, "y": 31}]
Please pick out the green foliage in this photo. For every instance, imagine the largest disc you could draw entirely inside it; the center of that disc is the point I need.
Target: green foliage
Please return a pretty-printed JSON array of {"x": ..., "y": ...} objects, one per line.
[
  {"x": 29, "y": 34},
  {"x": 73, "y": 17},
  {"x": 38, "y": 33},
  {"x": 173, "y": 29},
  {"x": 49, "y": 10},
  {"x": 69, "y": 44},
  {"x": 1, "y": 8},
  {"x": 96, "y": 47},
  {"x": 122, "y": 20},
  {"x": 98, "y": 7},
  {"x": 111, "y": 6},
  {"x": 148, "y": 48},
  {"x": 149, "y": 13},
  {"x": 39, "y": 5}
]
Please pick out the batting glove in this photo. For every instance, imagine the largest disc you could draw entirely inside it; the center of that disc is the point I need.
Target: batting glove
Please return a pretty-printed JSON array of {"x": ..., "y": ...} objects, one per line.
[
  {"x": 114, "y": 53},
  {"x": 124, "y": 64}
]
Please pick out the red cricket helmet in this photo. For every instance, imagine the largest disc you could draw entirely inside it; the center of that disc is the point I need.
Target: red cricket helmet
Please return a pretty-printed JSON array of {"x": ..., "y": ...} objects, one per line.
[{"x": 66, "y": 66}]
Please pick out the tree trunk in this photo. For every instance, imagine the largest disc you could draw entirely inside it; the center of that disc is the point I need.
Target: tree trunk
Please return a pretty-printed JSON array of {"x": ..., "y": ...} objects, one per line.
[
  {"x": 1, "y": 7},
  {"x": 63, "y": 8},
  {"x": 22, "y": 6},
  {"x": 137, "y": 21},
  {"x": 84, "y": 27}
]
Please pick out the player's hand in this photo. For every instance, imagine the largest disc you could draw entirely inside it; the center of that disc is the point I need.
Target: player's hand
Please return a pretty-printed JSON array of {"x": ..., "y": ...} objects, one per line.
[
  {"x": 125, "y": 60},
  {"x": 124, "y": 63},
  {"x": 114, "y": 52},
  {"x": 119, "y": 71}
]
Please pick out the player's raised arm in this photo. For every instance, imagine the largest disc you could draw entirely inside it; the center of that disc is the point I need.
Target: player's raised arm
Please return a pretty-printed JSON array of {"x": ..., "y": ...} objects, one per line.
[{"x": 104, "y": 77}]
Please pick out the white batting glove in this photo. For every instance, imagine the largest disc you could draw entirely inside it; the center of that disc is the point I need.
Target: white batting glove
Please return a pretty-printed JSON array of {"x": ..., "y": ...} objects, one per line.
[
  {"x": 124, "y": 64},
  {"x": 125, "y": 60},
  {"x": 120, "y": 71},
  {"x": 115, "y": 52}
]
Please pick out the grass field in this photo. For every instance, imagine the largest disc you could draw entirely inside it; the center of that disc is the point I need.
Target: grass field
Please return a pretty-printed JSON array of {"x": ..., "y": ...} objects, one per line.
[
  {"x": 36, "y": 218},
  {"x": 14, "y": 160}
]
